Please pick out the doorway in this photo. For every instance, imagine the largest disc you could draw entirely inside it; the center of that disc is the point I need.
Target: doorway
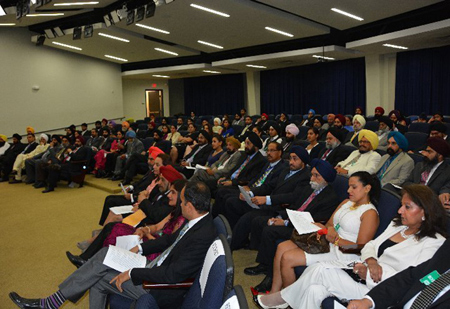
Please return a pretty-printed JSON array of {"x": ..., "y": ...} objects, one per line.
[{"x": 154, "y": 102}]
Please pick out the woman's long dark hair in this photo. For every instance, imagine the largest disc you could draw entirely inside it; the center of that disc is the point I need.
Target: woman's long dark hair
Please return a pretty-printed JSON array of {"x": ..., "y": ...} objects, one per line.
[
  {"x": 366, "y": 179},
  {"x": 178, "y": 185}
]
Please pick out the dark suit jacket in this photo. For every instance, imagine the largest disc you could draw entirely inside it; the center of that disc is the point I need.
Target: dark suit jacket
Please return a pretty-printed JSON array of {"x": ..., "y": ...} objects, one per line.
[
  {"x": 156, "y": 208},
  {"x": 15, "y": 149},
  {"x": 401, "y": 288},
  {"x": 201, "y": 157},
  {"x": 321, "y": 207},
  {"x": 271, "y": 180},
  {"x": 31, "y": 147},
  {"x": 285, "y": 191},
  {"x": 184, "y": 260},
  {"x": 250, "y": 171},
  {"x": 337, "y": 155},
  {"x": 142, "y": 183},
  {"x": 439, "y": 182}
]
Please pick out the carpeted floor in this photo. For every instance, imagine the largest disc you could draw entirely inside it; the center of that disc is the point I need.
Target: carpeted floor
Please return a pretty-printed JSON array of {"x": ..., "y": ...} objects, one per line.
[{"x": 37, "y": 229}]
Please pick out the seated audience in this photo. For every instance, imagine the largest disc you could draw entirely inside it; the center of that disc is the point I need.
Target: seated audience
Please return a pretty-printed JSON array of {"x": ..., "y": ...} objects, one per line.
[
  {"x": 217, "y": 149},
  {"x": 217, "y": 128},
  {"x": 359, "y": 111},
  {"x": 178, "y": 150},
  {"x": 227, "y": 129},
  {"x": 384, "y": 129},
  {"x": 438, "y": 129},
  {"x": 180, "y": 124},
  {"x": 399, "y": 123},
  {"x": 290, "y": 139},
  {"x": 365, "y": 158},
  {"x": 274, "y": 136},
  {"x": 330, "y": 122},
  {"x": 84, "y": 130},
  {"x": 173, "y": 136},
  {"x": 10, "y": 155},
  {"x": 437, "y": 117},
  {"x": 313, "y": 148},
  {"x": 247, "y": 128},
  {"x": 339, "y": 123},
  {"x": 349, "y": 123},
  {"x": 411, "y": 239},
  {"x": 358, "y": 124},
  {"x": 309, "y": 120},
  {"x": 379, "y": 112},
  {"x": 199, "y": 154},
  {"x": 334, "y": 151},
  {"x": 238, "y": 120},
  {"x": 134, "y": 145},
  {"x": 283, "y": 121},
  {"x": 395, "y": 166}
]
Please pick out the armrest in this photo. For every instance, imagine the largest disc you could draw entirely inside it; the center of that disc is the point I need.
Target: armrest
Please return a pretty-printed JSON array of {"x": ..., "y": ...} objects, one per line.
[
  {"x": 354, "y": 249},
  {"x": 164, "y": 286}
]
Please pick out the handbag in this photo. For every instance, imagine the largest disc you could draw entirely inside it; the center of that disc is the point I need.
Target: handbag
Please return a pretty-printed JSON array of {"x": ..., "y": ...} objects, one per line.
[{"x": 312, "y": 243}]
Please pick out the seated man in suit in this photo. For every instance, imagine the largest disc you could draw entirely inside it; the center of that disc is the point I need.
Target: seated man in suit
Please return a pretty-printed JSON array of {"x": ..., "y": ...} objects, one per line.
[
  {"x": 180, "y": 124},
  {"x": 223, "y": 166},
  {"x": 320, "y": 200},
  {"x": 248, "y": 167},
  {"x": 55, "y": 154},
  {"x": 247, "y": 128},
  {"x": 7, "y": 160},
  {"x": 84, "y": 130},
  {"x": 433, "y": 171},
  {"x": 273, "y": 196},
  {"x": 438, "y": 129},
  {"x": 134, "y": 145},
  {"x": 424, "y": 286},
  {"x": 198, "y": 155},
  {"x": 352, "y": 137},
  {"x": 395, "y": 166},
  {"x": 365, "y": 159},
  {"x": 384, "y": 128},
  {"x": 233, "y": 205},
  {"x": 334, "y": 152},
  {"x": 182, "y": 258},
  {"x": 95, "y": 141},
  {"x": 274, "y": 131},
  {"x": 291, "y": 140}
]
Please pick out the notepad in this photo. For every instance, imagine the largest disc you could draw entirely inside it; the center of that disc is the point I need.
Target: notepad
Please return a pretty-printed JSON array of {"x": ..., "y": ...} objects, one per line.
[
  {"x": 135, "y": 218},
  {"x": 123, "y": 260},
  {"x": 120, "y": 210},
  {"x": 248, "y": 198}
]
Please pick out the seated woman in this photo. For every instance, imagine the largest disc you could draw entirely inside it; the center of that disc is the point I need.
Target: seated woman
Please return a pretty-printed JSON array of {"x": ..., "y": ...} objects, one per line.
[
  {"x": 313, "y": 148},
  {"x": 217, "y": 146},
  {"x": 227, "y": 129},
  {"x": 355, "y": 221},
  {"x": 173, "y": 136},
  {"x": 207, "y": 128},
  {"x": 165, "y": 132},
  {"x": 107, "y": 162},
  {"x": 412, "y": 238}
]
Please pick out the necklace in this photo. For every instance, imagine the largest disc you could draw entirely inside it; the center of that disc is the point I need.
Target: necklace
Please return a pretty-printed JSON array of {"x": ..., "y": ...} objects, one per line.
[{"x": 402, "y": 233}]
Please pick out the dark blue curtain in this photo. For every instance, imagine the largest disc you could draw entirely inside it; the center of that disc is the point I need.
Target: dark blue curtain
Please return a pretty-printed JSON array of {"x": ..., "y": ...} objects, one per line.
[
  {"x": 331, "y": 87},
  {"x": 214, "y": 95},
  {"x": 423, "y": 81}
]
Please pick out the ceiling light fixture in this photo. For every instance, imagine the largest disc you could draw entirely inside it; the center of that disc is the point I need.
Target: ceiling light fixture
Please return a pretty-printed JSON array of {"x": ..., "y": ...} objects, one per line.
[
  {"x": 76, "y": 3},
  {"x": 210, "y": 44},
  {"x": 212, "y": 72},
  {"x": 162, "y": 76},
  {"x": 209, "y": 10},
  {"x": 395, "y": 46},
  {"x": 279, "y": 31},
  {"x": 166, "y": 51},
  {"x": 347, "y": 14},
  {"x": 7, "y": 24},
  {"x": 153, "y": 28},
  {"x": 323, "y": 57},
  {"x": 256, "y": 66},
  {"x": 45, "y": 14},
  {"x": 68, "y": 46},
  {"x": 116, "y": 58},
  {"x": 113, "y": 37}
]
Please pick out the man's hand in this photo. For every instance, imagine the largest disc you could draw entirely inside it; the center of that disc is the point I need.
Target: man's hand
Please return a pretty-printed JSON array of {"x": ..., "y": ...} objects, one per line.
[
  {"x": 220, "y": 180},
  {"x": 135, "y": 249},
  {"x": 275, "y": 221},
  {"x": 340, "y": 170},
  {"x": 361, "y": 270},
  {"x": 445, "y": 200},
  {"x": 120, "y": 279},
  {"x": 259, "y": 200},
  {"x": 123, "y": 157},
  {"x": 227, "y": 183},
  {"x": 210, "y": 172},
  {"x": 246, "y": 188},
  {"x": 139, "y": 232},
  {"x": 360, "y": 304},
  {"x": 241, "y": 197},
  {"x": 184, "y": 163},
  {"x": 127, "y": 196}
]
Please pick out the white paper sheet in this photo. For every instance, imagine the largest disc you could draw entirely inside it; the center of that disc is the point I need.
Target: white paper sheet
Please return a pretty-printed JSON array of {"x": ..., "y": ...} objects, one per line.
[
  {"x": 338, "y": 305},
  {"x": 119, "y": 210},
  {"x": 248, "y": 198},
  {"x": 302, "y": 221},
  {"x": 123, "y": 260},
  {"x": 128, "y": 242}
]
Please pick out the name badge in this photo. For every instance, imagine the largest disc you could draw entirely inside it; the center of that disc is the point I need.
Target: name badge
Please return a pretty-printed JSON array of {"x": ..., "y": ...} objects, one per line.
[{"x": 430, "y": 278}]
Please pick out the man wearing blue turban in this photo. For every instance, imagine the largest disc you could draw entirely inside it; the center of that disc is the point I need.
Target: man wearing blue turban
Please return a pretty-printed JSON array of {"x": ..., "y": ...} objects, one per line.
[{"x": 396, "y": 165}]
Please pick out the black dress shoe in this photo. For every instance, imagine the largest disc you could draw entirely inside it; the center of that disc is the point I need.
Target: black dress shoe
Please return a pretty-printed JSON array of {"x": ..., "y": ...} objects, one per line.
[
  {"x": 265, "y": 285},
  {"x": 47, "y": 190},
  {"x": 75, "y": 259},
  {"x": 14, "y": 180},
  {"x": 126, "y": 182},
  {"x": 116, "y": 177},
  {"x": 24, "y": 302},
  {"x": 39, "y": 185},
  {"x": 257, "y": 270}
]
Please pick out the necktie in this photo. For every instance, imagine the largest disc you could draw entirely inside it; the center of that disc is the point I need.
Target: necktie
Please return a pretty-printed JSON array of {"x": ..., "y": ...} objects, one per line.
[
  {"x": 160, "y": 259},
  {"x": 352, "y": 162},
  {"x": 236, "y": 174},
  {"x": 383, "y": 169},
  {"x": 353, "y": 137},
  {"x": 307, "y": 202},
  {"x": 263, "y": 177},
  {"x": 427, "y": 296},
  {"x": 325, "y": 155},
  {"x": 424, "y": 177}
]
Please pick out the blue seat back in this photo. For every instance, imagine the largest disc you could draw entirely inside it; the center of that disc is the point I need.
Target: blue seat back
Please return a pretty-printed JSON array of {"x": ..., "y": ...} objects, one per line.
[
  {"x": 416, "y": 157},
  {"x": 148, "y": 141},
  {"x": 340, "y": 186},
  {"x": 223, "y": 227},
  {"x": 235, "y": 299},
  {"x": 416, "y": 140},
  {"x": 372, "y": 126},
  {"x": 303, "y": 131},
  {"x": 422, "y": 127},
  {"x": 388, "y": 206}
]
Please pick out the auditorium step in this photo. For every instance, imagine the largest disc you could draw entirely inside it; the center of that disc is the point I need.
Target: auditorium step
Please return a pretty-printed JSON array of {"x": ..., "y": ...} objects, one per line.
[{"x": 102, "y": 184}]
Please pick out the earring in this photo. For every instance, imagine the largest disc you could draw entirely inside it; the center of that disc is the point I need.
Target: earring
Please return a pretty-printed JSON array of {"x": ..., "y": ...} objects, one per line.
[{"x": 423, "y": 218}]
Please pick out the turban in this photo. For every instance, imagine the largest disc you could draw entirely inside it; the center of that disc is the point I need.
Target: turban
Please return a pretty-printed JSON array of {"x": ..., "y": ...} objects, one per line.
[
  {"x": 57, "y": 137},
  {"x": 275, "y": 126},
  {"x": 206, "y": 135},
  {"x": 325, "y": 169},
  {"x": 130, "y": 120},
  {"x": 439, "y": 145},
  {"x": 341, "y": 118},
  {"x": 332, "y": 115},
  {"x": 3, "y": 138},
  {"x": 112, "y": 122},
  {"x": 400, "y": 139},
  {"x": 438, "y": 126},
  {"x": 360, "y": 119},
  {"x": 395, "y": 112},
  {"x": 293, "y": 129},
  {"x": 44, "y": 136},
  {"x": 312, "y": 111},
  {"x": 371, "y": 136},
  {"x": 170, "y": 173},
  {"x": 387, "y": 121},
  {"x": 154, "y": 151},
  {"x": 158, "y": 132},
  {"x": 125, "y": 124},
  {"x": 152, "y": 123},
  {"x": 380, "y": 110},
  {"x": 81, "y": 139},
  {"x": 218, "y": 120},
  {"x": 337, "y": 133},
  {"x": 255, "y": 140},
  {"x": 301, "y": 153},
  {"x": 233, "y": 141},
  {"x": 30, "y": 130},
  {"x": 105, "y": 120},
  {"x": 320, "y": 119},
  {"x": 265, "y": 115},
  {"x": 17, "y": 136},
  {"x": 130, "y": 134}
]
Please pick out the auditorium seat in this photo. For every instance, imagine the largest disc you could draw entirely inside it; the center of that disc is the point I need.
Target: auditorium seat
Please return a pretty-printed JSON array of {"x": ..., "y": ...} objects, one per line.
[
  {"x": 235, "y": 299},
  {"x": 416, "y": 140},
  {"x": 422, "y": 127},
  {"x": 223, "y": 227},
  {"x": 237, "y": 129},
  {"x": 340, "y": 186},
  {"x": 142, "y": 126},
  {"x": 148, "y": 141},
  {"x": 388, "y": 206},
  {"x": 303, "y": 132},
  {"x": 372, "y": 126},
  {"x": 416, "y": 157}
]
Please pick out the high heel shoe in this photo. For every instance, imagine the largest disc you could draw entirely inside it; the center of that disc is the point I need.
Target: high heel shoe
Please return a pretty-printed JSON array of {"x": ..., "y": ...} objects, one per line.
[{"x": 259, "y": 304}]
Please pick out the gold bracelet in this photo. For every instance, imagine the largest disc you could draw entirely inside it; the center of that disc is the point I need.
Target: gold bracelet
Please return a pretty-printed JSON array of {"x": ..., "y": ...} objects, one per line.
[{"x": 336, "y": 242}]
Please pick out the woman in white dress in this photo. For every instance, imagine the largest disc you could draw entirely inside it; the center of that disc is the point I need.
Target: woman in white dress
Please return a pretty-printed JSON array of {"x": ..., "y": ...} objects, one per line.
[
  {"x": 355, "y": 221},
  {"x": 411, "y": 238}
]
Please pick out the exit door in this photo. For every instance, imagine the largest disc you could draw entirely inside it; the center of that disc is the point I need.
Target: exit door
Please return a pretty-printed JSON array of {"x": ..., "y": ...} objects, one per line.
[{"x": 154, "y": 102}]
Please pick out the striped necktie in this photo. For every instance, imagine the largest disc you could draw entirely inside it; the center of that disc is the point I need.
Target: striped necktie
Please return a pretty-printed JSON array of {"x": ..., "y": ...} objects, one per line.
[
  {"x": 424, "y": 176},
  {"x": 307, "y": 202},
  {"x": 325, "y": 155},
  {"x": 236, "y": 175},
  {"x": 427, "y": 296},
  {"x": 160, "y": 259},
  {"x": 263, "y": 177}
]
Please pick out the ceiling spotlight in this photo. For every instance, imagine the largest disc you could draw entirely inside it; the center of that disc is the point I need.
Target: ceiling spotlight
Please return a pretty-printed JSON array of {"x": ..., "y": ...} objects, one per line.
[
  {"x": 166, "y": 51},
  {"x": 77, "y": 33},
  {"x": 395, "y": 46},
  {"x": 347, "y": 14},
  {"x": 209, "y": 10},
  {"x": 140, "y": 13},
  {"x": 279, "y": 32},
  {"x": 210, "y": 44},
  {"x": 150, "y": 9},
  {"x": 116, "y": 58}
]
